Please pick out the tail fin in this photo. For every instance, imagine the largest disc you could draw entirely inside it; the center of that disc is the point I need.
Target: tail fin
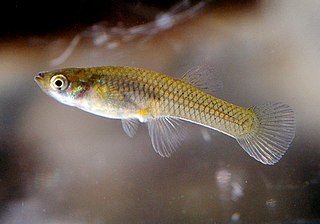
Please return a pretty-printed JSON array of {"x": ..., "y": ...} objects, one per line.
[{"x": 274, "y": 131}]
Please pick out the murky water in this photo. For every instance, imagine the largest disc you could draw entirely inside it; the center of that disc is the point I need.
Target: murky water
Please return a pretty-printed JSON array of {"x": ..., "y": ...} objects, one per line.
[{"x": 61, "y": 165}]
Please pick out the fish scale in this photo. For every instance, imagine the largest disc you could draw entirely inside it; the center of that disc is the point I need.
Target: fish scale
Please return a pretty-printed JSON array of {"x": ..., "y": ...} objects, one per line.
[
  {"x": 161, "y": 88},
  {"x": 218, "y": 114},
  {"x": 190, "y": 101}
]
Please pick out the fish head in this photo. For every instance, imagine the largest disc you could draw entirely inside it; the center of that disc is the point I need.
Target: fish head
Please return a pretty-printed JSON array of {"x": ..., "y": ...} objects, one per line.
[{"x": 65, "y": 85}]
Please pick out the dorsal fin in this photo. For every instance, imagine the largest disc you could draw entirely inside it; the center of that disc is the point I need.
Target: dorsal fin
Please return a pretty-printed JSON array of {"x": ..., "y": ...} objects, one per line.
[{"x": 204, "y": 78}]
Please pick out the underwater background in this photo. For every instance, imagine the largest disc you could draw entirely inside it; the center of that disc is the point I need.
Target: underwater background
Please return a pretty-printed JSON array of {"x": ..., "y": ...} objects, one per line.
[{"x": 61, "y": 165}]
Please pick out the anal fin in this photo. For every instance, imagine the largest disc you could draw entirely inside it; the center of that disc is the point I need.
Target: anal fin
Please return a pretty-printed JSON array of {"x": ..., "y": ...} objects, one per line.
[{"x": 166, "y": 134}]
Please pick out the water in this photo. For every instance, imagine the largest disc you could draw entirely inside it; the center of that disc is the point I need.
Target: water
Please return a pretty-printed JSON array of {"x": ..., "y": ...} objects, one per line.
[{"x": 61, "y": 165}]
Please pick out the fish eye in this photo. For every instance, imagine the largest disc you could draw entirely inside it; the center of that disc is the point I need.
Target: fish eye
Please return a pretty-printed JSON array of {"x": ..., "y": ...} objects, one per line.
[{"x": 59, "y": 82}]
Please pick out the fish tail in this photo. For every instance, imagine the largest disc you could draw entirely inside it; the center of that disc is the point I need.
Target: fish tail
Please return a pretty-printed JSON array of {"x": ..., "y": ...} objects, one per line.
[{"x": 272, "y": 133}]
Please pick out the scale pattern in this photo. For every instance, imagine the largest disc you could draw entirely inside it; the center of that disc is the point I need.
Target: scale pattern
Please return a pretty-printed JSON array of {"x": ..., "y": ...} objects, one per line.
[{"x": 157, "y": 95}]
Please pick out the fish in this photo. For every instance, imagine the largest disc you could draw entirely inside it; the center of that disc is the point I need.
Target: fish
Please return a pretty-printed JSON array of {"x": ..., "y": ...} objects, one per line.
[{"x": 136, "y": 95}]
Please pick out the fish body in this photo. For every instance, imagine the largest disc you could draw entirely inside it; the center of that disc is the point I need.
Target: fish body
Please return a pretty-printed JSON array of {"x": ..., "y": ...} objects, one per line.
[{"x": 134, "y": 94}]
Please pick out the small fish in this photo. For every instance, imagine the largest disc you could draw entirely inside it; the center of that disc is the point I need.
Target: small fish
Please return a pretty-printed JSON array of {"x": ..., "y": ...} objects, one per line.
[{"x": 137, "y": 95}]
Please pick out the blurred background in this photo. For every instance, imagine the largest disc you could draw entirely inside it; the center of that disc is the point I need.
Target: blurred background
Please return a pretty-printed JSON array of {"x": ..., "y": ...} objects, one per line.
[{"x": 61, "y": 165}]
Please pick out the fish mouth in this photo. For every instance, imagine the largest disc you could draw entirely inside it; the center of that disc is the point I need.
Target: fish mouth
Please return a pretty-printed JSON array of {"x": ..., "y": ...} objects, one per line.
[
  {"x": 39, "y": 77},
  {"x": 40, "y": 80}
]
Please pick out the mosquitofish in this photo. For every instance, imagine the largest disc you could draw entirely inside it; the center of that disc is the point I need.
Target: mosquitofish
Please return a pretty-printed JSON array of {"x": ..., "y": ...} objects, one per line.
[{"x": 137, "y": 95}]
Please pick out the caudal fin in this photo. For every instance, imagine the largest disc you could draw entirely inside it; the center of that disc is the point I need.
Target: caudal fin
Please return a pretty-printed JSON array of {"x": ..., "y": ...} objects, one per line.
[{"x": 274, "y": 131}]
